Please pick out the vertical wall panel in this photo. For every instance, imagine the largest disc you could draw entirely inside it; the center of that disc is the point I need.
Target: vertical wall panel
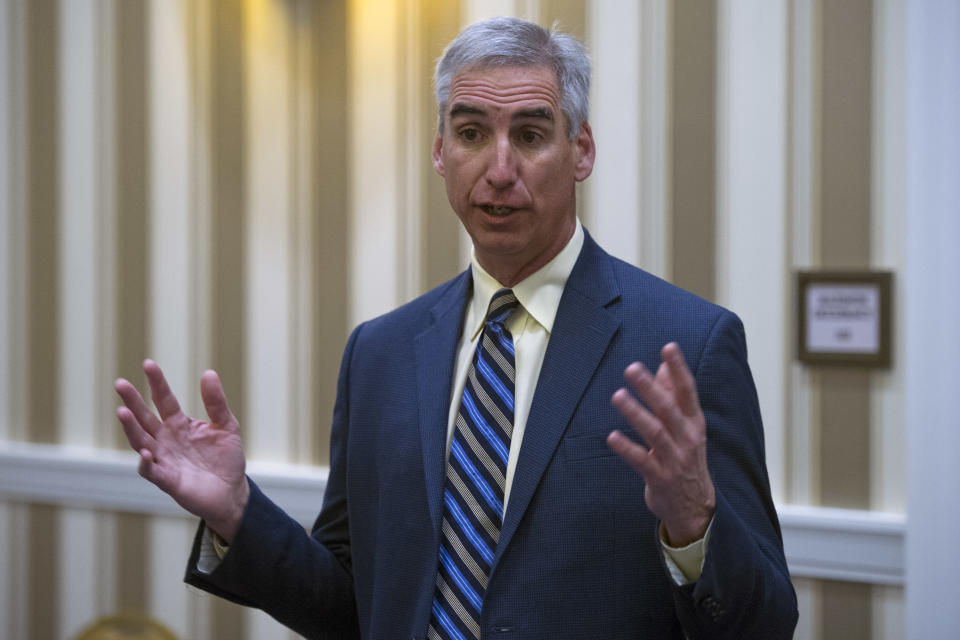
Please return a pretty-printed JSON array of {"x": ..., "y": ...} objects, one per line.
[
  {"x": 228, "y": 202},
  {"x": 330, "y": 212},
  {"x": 441, "y": 227},
  {"x": 133, "y": 257},
  {"x": 845, "y": 237},
  {"x": 174, "y": 253},
  {"x": 82, "y": 370},
  {"x": 13, "y": 570},
  {"x": 374, "y": 125},
  {"x": 268, "y": 275},
  {"x": 844, "y": 242},
  {"x": 655, "y": 138},
  {"x": 752, "y": 254},
  {"x": 932, "y": 360},
  {"x": 802, "y": 461},
  {"x": 693, "y": 147},
  {"x": 43, "y": 131},
  {"x": 888, "y": 437},
  {"x": 612, "y": 192}
]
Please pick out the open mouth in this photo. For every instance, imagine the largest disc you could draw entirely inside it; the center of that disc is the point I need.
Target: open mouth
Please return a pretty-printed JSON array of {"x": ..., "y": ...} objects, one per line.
[{"x": 497, "y": 210}]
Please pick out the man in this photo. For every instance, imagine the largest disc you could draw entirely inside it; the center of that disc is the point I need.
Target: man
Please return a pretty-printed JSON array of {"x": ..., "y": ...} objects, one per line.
[{"x": 475, "y": 487}]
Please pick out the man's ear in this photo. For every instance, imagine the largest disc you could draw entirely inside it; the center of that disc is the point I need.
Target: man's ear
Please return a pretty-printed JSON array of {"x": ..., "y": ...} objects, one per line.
[
  {"x": 585, "y": 152},
  {"x": 438, "y": 153}
]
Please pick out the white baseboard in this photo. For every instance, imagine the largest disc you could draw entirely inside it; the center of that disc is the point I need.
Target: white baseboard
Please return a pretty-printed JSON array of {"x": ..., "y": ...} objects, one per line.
[{"x": 834, "y": 544}]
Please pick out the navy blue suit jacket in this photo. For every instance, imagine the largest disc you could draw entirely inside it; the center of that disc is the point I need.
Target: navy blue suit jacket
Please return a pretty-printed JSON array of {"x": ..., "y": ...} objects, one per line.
[{"x": 578, "y": 555}]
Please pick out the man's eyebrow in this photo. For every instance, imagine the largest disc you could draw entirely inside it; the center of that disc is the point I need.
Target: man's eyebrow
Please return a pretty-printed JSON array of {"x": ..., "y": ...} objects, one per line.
[
  {"x": 460, "y": 108},
  {"x": 536, "y": 112}
]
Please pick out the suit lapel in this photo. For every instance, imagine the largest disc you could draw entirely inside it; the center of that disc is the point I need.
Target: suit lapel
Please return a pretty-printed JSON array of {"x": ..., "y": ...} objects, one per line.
[
  {"x": 581, "y": 334},
  {"x": 436, "y": 352}
]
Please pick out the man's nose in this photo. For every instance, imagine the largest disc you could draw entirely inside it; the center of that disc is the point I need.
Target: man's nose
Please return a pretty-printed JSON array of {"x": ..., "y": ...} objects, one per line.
[{"x": 502, "y": 169}]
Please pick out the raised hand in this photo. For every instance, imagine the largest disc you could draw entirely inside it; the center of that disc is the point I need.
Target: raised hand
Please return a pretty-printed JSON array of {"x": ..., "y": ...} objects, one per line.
[
  {"x": 199, "y": 464},
  {"x": 679, "y": 489}
]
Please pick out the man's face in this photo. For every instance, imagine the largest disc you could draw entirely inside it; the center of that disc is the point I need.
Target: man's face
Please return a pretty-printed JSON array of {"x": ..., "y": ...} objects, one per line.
[{"x": 510, "y": 167}]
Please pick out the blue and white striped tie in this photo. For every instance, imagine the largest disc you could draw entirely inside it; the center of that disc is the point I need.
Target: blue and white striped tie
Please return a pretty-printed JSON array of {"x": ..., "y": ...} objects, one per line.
[{"x": 476, "y": 468}]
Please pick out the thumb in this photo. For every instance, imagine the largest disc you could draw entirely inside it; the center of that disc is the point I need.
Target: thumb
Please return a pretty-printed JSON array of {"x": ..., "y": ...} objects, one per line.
[{"x": 214, "y": 399}]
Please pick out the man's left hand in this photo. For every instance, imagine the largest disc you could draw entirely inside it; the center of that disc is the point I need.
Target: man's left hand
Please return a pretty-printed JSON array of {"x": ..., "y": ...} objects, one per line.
[{"x": 673, "y": 463}]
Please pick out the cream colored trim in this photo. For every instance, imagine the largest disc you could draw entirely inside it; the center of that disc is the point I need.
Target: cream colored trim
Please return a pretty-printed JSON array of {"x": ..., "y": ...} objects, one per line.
[
  {"x": 613, "y": 196},
  {"x": 820, "y": 543},
  {"x": 752, "y": 276}
]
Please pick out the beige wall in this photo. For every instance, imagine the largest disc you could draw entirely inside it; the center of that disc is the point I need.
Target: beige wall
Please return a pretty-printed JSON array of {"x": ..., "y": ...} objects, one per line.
[{"x": 236, "y": 184}]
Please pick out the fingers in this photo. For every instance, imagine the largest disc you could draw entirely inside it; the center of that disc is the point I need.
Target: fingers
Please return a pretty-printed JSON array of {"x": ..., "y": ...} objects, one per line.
[
  {"x": 214, "y": 399},
  {"x": 136, "y": 436},
  {"x": 163, "y": 399},
  {"x": 684, "y": 386},
  {"x": 659, "y": 397},
  {"x": 636, "y": 455},
  {"x": 137, "y": 407}
]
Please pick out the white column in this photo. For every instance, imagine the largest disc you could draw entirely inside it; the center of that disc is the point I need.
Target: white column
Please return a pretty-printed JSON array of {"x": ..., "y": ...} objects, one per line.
[
  {"x": 6, "y": 228},
  {"x": 172, "y": 274},
  {"x": 932, "y": 360},
  {"x": 752, "y": 266},
  {"x": 802, "y": 448},
  {"x": 268, "y": 241},
  {"x": 375, "y": 175},
  {"x": 613, "y": 196},
  {"x": 654, "y": 145},
  {"x": 81, "y": 367},
  {"x": 169, "y": 541},
  {"x": 6, "y": 584},
  {"x": 888, "y": 477}
]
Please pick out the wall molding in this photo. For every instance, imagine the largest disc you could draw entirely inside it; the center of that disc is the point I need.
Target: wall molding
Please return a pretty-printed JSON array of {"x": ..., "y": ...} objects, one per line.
[{"x": 825, "y": 543}]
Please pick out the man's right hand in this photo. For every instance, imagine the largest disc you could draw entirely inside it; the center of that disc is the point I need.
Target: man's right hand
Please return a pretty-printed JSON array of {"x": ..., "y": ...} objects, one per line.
[{"x": 199, "y": 464}]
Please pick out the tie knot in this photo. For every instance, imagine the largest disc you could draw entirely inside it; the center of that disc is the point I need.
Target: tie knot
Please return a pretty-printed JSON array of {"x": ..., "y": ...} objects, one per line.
[{"x": 501, "y": 306}]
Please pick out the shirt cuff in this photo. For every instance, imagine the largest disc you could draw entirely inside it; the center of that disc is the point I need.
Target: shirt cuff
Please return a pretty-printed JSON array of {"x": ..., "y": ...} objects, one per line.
[
  {"x": 213, "y": 548},
  {"x": 686, "y": 563}
]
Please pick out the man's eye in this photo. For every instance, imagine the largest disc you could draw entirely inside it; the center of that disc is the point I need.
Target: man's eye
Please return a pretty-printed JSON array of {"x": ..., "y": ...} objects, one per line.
[
  {"x": 470, "y": 135},
  {"x": 529, "y": 137}
]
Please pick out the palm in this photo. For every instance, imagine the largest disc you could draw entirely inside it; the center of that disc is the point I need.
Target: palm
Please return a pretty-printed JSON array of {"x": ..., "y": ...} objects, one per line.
[{"x": 200, "y": 464}]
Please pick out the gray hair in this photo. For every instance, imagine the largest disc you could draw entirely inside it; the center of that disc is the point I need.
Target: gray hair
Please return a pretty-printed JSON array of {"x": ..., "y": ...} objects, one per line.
[{"x": 502, "y": 42}]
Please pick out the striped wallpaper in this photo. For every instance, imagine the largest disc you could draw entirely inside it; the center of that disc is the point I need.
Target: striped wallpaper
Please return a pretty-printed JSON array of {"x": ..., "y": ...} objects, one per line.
[{"x": 235, "y": 184}]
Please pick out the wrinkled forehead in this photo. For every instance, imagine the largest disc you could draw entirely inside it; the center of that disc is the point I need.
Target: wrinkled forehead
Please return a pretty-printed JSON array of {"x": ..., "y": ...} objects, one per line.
[{"x": 504, "y": 87}]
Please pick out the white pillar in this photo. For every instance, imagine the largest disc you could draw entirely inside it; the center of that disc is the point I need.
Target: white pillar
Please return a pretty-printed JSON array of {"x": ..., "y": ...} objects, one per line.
[
  {"x": 613, "y": 194},
  {"x": 752, "y": 256},
  {"x": 929, "y": 291},
  {"x": 269, "y": 237},
  {"x": 173, "y": 253},
  {"x": 375, "y": 175}
]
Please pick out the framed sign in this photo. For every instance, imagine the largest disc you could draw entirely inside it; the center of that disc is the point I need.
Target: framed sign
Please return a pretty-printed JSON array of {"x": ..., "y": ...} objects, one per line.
[{"x": 844, "y": 317}]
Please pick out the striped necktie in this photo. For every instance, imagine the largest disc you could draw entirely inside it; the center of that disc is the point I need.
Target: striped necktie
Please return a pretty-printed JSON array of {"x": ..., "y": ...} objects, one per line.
[{"x": 476, "y": 467}]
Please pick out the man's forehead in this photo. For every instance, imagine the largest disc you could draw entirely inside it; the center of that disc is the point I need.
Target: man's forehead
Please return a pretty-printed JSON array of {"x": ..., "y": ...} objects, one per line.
[{"x": 476, "y": 89}]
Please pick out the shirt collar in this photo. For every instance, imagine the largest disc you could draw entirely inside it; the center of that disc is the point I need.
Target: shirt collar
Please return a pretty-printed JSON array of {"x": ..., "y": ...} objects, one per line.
[{"x": 539, "y": 293}]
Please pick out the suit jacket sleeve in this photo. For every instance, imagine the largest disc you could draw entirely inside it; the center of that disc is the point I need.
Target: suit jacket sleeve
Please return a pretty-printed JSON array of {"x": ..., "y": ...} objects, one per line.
[
  {"x": 745, "y": 589},
  {"x": 304, "y": 581}
]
